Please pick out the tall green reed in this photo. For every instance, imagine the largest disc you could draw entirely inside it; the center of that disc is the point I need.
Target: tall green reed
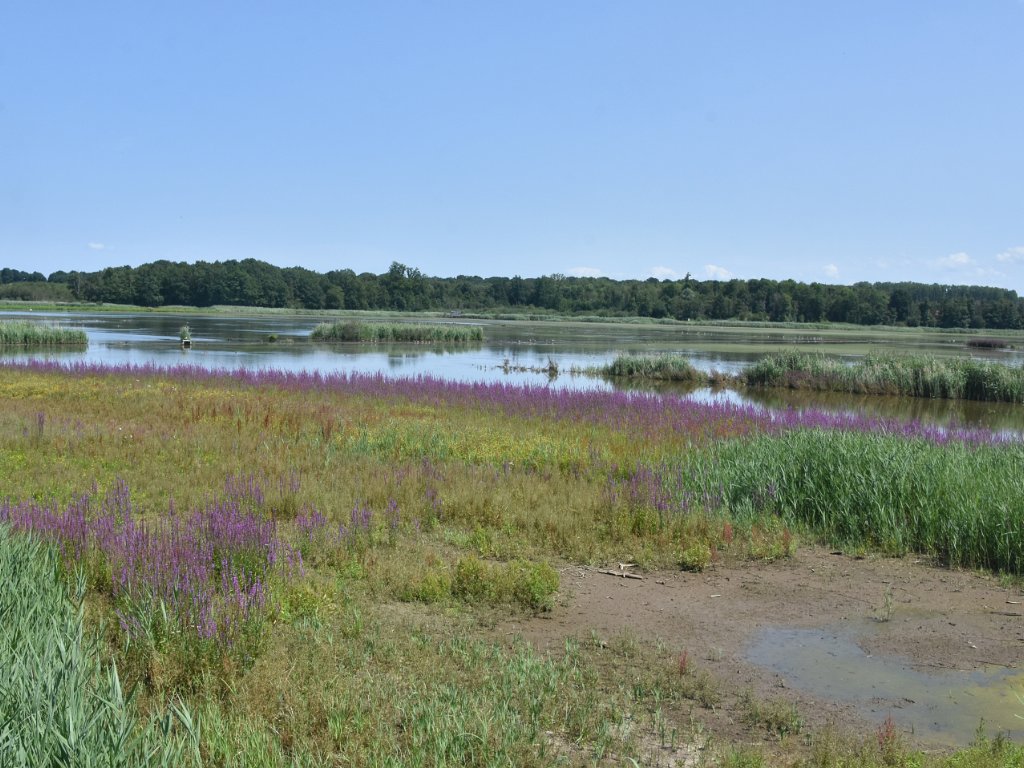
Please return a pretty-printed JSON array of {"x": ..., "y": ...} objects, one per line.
[
  {"x": 59, "y": 705},
  {"x": 962, "y": 504}
]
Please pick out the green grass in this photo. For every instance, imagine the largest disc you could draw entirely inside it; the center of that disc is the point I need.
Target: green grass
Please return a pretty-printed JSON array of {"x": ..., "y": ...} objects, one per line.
[
  {"x": 353, "y": 330},
  {"x": 904, "y": 375},
  {"x": 959, "y": 504},
  {"x": 22, "y": 333}
]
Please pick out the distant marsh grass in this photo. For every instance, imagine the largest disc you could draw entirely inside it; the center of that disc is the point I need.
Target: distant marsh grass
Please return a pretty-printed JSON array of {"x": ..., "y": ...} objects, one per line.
[
  {"x": 22, "y": 333},
  {"x": 354, "y": 330},
  {"x": 985, "y": 342},
  {"x": 904, "y": 375}
]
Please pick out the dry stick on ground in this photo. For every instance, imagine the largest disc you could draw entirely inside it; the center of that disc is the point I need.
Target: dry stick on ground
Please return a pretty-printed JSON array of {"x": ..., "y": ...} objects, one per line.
[{"x": 622, "y": 574}]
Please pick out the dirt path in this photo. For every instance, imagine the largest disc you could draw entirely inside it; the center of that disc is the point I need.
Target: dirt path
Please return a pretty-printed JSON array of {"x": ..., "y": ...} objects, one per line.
[{"x": 930, "y": 620}]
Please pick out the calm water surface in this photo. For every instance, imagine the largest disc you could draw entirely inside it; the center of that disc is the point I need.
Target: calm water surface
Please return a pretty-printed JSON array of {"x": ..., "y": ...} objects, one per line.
[
  {"x": 938, "y": 706},
  {"x": 232, "y": 341}
]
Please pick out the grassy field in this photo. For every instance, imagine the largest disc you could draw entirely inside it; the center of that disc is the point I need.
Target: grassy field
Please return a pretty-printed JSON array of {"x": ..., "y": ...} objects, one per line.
[
  {"x": 826, "y": 332},
  {"x": 21, "y": 333},
  {"x": 308, "y": 566}
]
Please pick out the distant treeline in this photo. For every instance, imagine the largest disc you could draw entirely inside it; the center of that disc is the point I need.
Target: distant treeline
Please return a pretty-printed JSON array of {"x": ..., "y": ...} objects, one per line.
[{"x": 255, "y": 283}]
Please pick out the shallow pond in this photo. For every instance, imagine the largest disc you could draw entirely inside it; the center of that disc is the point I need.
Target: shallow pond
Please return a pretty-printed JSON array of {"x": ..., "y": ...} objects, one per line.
[
  {"x": 519, "y": 352},
  {"x": 937, "y": 706}
]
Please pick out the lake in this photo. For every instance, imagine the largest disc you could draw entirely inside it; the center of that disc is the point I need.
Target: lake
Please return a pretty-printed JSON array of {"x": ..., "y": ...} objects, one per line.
[{"x": 236, "y": 341}]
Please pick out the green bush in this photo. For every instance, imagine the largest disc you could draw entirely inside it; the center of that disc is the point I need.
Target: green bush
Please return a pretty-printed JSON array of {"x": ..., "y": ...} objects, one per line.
[{"x": 696, "y": 556}]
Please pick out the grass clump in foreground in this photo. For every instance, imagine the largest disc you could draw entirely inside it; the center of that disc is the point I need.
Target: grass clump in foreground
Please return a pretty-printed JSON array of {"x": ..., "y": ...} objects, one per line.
[
  {"x": 315, "y": 563},
  {"x": 354, "y": 330},
  {"x": 58, "y": 704},
  {"x": 21, "y": 333},
  {"x": 904, "y": 375}
]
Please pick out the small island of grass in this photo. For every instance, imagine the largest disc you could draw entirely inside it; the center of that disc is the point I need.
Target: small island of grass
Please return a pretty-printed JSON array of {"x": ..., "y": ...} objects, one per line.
[
  {"x": 352, "y": 330},
  {"x": 21, "y": 333},
  {"x": 657, "y": 367},
  {"x": 875, "y": 374}
]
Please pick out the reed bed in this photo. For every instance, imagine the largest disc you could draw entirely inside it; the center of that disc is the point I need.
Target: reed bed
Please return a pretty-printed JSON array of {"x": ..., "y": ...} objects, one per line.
[
  {"x": 903, "y": 375},
  {"x": 22, "y": 333},
  {"x": 242, "y": 531},
  {"x": 352, "y": 330},
  {"x": 961, "y": 504}
]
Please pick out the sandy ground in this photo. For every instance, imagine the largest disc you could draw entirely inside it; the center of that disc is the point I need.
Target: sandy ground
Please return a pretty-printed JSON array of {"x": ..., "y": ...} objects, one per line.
[{"x": 934, "y": 621}]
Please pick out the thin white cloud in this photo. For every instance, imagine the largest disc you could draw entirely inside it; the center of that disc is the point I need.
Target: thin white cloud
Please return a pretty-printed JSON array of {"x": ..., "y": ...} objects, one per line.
[
  {"x": 966, "y": 268},
  {"x": 664, "y": 273},
  {"x": 585, "y": 272},
  {"x": 1011, "y": 255},
  {"x": 986, "y": 272},
  {"x": 96, "y": 246},
  {"x": 830, "y": 270},
  {"x": 716, "y": 272},
  {"x": 957, "y": 260}
]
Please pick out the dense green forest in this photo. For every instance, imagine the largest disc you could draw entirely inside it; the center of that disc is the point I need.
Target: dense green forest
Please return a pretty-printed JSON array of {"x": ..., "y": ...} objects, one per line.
[{"x": 258, "y": 284}]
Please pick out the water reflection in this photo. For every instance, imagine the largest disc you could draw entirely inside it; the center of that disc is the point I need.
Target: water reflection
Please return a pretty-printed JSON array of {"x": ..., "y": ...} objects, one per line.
[{"x": 997, "y": 416}]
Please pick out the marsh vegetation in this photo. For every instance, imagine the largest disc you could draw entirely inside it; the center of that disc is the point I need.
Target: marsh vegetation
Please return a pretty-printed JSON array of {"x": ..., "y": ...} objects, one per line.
[
  {"x": 308, "y": 564},
  {"x": 907, "y": 375},
  {"x": 887, "y": 374}
]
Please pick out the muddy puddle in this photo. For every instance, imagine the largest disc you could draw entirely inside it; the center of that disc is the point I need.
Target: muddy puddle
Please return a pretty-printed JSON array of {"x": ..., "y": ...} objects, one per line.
[{"x": 935, "y": 706}]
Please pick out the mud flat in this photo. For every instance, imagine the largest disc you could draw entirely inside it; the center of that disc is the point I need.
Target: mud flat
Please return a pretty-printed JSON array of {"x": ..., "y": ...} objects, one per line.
[{"x": 845, "y": 640}]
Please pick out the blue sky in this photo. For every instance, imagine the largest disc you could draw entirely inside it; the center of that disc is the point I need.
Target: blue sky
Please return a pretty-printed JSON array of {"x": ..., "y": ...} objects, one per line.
[{"x": 819, "y": 141}]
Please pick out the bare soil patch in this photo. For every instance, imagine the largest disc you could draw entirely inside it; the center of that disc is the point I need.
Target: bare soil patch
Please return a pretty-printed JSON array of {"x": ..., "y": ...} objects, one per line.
[{"x": 933, "y": 618}]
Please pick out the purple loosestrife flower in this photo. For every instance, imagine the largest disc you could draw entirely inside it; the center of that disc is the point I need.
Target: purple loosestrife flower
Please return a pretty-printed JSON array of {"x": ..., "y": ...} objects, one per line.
[
  {"x": 643, "y": 414},
  {"x": 310, "y": 521},
  {"x": 209, "y": 570}
]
